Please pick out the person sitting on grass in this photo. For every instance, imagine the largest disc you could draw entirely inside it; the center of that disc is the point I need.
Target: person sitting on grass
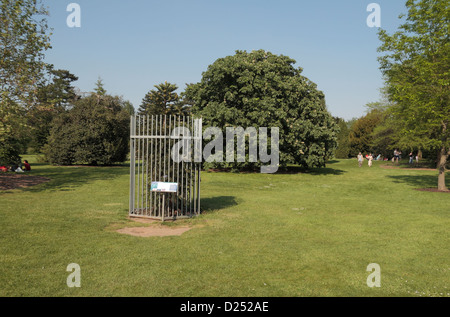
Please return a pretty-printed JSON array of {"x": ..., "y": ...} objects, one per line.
[{"x": 26, "y": 165}]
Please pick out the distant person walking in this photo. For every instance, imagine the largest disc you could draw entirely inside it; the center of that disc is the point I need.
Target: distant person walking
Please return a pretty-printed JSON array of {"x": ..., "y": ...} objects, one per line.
[
  {"x": 396, "y": 156},
  {"x": 360, "y": 159},
  {"x": 370, "y": 158},
  {"x": 411, "y": 158}
]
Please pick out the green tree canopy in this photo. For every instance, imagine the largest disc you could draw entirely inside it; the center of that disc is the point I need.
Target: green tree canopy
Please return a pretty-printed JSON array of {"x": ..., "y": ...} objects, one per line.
[
  {"x": 23, "y": 40},
  {"x": 260, "y": 89},
  {"x": 343, "y": 141},
  {"x": 99, "y": 89},
  {"x": 416, "y": 65},
  {"x": 163, "y": 100},
  {"x": 53, "y": 96},
  {"x": 361, "y": 133}
]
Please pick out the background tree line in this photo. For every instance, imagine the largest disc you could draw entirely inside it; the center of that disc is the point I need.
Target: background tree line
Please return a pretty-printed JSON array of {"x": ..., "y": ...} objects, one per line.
[
  {"x": 39, "y": 107},
  {"x": 376, "y": 132},
  {"x": 415, "y": 63}
]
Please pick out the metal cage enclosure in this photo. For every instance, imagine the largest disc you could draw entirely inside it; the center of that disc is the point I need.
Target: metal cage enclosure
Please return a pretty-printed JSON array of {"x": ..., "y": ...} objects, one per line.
[{"x": 152, "y": 141}]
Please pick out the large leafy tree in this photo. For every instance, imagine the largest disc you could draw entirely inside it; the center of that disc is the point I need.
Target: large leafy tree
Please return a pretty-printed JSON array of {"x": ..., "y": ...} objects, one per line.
[
  {"x": 94, "y": 131},
  {"x": 261, "y": 89},
  {"x": 416, "y": 65},
  {"x": 164, "y": 100},
  {"x": 23, "y": 39},
  {"x": 361, "y": 133}
]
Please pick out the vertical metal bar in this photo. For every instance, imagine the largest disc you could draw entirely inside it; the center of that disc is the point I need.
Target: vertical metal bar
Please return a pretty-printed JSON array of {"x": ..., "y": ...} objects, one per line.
[
  {"x": 151, "y": 165},
  {"x": 183, "y": 165},
  {"x": 138, "y": 165},
  {"x": 146, "y": 166},
  {"x": 164, "y": 158},
  {"x": 170, "y": 179},
  {"x": 160, "y": 157},
  {"x": 198, "y": 188},
  {"x": 194, "y": 202},
  {"x": 164, "y": 153},
  {"x": 173, "y": 168},
  {"x": 132, "y": 164},
  {"x": 197, "y": 180},
  {"x": 191, "y": 162},
  {"x": 156, "y": 163},
  {"x": 155, "y": 196},
  {"x": 200, "y": 166},
  {"x": 194, "y": 190},
  {"x": 178, "y": 176},
  {"x": 142, "y": 164},
  {"x": 187, "y": 175},
  {"x": 163, "y": 205}
]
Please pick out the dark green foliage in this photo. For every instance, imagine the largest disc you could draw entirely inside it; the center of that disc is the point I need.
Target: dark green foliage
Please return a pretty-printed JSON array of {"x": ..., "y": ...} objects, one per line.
[
  {"x": 58, "y": 92},
  {"x": 128, "y": 107},
  {"x": 10, "y": 151},
  {"x": 361, "y": 133},
  {"x": 53, "y": 97},
  {"x": 416, "y": 66},
  {"x": 384, "y": 137},
  {"x": 343, "y": 141},
  {"x": 95, "y": 132},
  {"x": 24, "y": 38},
  {"x": 99, "y": 88},
  {"x": 163, "y": 101},
  {"x": 260, "y": 89}
]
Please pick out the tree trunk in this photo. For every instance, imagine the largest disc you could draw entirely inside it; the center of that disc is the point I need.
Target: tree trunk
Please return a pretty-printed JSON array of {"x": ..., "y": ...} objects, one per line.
[{"x": 443, "y": 155}]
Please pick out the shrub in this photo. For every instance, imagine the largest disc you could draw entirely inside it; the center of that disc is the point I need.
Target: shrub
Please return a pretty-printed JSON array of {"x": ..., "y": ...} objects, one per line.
[{"x": 95, "y": 132}]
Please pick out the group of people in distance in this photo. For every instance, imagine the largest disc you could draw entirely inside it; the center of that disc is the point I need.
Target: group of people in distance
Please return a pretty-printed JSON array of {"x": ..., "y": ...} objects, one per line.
[
  {"x": 16, "y": 168},
  {"x": 397, "y": 156},
  {"x": 412, "y": 157},
  {"x": 369, "y": 158}
]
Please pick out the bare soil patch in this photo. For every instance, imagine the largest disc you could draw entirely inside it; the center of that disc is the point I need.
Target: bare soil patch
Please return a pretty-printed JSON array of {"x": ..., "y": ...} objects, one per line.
[
  {"x": 153, "y": 230},
  {"x": 11, "y": 180}
]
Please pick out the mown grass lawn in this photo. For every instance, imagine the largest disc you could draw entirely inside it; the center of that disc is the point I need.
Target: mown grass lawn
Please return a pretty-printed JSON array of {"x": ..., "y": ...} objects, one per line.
[{"x": 286, "y": 234}]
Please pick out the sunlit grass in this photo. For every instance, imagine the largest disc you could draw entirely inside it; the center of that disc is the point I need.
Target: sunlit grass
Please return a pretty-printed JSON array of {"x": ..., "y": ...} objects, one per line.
[{"x": 288, "y": 234}]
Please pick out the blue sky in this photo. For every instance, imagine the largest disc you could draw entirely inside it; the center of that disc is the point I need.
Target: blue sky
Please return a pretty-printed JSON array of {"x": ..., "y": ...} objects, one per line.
[{"x": 134, "y": 45}]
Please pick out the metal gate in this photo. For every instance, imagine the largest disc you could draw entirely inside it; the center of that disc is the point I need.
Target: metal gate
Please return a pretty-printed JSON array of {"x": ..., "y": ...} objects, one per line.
[{"x": 153, "y": 141}]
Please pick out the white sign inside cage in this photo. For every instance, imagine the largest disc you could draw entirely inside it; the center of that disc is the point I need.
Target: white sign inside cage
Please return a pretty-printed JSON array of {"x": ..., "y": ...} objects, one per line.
[{"x": 165, "y": 187}]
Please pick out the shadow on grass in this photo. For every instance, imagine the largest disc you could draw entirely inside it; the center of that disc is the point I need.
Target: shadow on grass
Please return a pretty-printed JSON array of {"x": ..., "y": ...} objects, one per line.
[
  {"x": 216, "y": 203},
  {"x": 312, "y": 171},
  {"x": 66, "y": 178},
  {"x": 290, "y": 169},
  {"x": 419, "y": 181}
]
